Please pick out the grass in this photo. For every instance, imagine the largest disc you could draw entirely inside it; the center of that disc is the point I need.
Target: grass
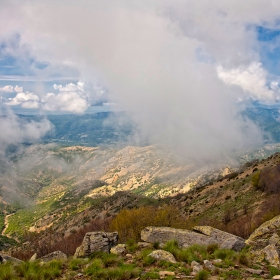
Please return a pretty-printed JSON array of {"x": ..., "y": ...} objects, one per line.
[
  {"x": 192, "y": 253},
  {"x": 7, "y": 271},
  {"x": 37, "y": 271},
  {"x": 202, "y": 275}
]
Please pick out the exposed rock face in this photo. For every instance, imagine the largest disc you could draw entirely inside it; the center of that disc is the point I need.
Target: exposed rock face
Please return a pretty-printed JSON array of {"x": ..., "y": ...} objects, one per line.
[
  {"x": 57, "y": 255},
  {"x": 162, "y": 256},
  {"x": 272, "y": 255},
  {"x": 265, "y": 242},
  {"x": 267, "y": 233},
  {"x": 95, "y": 242},
  {"x": 202, "y": 235}
]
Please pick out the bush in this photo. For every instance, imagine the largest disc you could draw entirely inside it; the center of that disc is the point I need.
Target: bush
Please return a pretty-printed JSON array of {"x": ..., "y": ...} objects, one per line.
[
  {"x": 202, "y": 275},
  {"x": 94, "y": 267},
  {"x": 129, "y": 222},
  {"x": 255, "y": 179}
]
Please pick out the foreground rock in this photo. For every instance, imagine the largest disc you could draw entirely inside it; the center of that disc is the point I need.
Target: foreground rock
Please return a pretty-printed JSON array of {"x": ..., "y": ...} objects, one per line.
[
  {"x": 57, "y": 255},
  {"x": 96, "y": 242},
  {"x": 120, "y": 249},
  {"x": 162, "y": 255},
  {"x": 265, "y": 242},
  {"x": 5, "y": 258},
  {"x": 266, "y": 234},
  {"x": 202, "y": 235}
]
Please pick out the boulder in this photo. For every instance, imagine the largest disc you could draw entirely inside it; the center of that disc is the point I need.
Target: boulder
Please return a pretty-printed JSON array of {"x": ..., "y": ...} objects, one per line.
[
  {"x": 96, "y": 242},
  {"x": 6, "y": 258},
  {"x": 209, "y": 265},
  {"x": 57, "y": 255},
  {"x": 196, "y": 267},
  {"x": 120, "y": 249},
  {"x": 162, "y": 256},
  {"x": 202, "y": 235},
  {"x": 266, "y": 234}
]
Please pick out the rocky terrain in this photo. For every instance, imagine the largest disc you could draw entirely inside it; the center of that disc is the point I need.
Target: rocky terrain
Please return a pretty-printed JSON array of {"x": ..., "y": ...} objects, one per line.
[{"x": 164, "y": 253}]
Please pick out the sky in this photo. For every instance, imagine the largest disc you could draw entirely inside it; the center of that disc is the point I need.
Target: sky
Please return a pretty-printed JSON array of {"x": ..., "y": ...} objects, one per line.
[{"x": 184, "y": 70}]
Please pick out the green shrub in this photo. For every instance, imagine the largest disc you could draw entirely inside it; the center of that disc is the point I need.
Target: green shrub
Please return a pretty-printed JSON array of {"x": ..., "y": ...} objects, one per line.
[
  {"x": 211, "y": 248},
  {"x": 131, "y": 245},
  {"x": 150, "y": 275},
  {"x": 256, "y": 179},
  {"x": 244, "y": 259},
  {"x": 94, "y": 267},
  {"x": 116, "y": 273},
  {"x": 202, "y": 275},
  {"x": 156, "y": 245},
  {"x": 6, "y": 271},
  {"x": 192, "y": 253},
  {"x": 225, "y": 254},
  {"x": 273, "y": 271},
  {"x": 107, "y": 258},
  {"x": 171, "y": 246},
  {"x": 76, "y": 263}
]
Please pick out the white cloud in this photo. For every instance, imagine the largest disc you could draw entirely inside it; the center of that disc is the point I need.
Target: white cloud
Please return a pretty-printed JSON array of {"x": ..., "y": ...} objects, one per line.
[
  {"x": 22, "y": 97},
  {"x": 18, "y": 89},
  {"x": 70, "y": 98},
  {"x": 69, "y": 87},
  {"x": 252, "y": 79},
  {"x": 145, "y": 54},
  {"x": 17, "y": 131},
  {"x": 7, "y": 88},
  {"x": 65, "y": 101}
]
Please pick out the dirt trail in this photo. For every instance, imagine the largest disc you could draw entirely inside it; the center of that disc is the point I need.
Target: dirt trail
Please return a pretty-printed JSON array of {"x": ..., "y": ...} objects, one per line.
[{"x": 6, "y": 223}]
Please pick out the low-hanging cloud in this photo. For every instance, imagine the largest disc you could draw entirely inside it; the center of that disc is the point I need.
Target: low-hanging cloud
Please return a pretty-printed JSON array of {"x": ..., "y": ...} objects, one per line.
[
  {"x": 171, "y": 64},
  {"x": 15, "y": 131}
]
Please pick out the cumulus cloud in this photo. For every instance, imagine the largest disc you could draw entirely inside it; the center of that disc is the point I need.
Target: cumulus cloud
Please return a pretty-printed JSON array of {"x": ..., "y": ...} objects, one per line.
[
  {"x": 146, "y": 54},
  {"x": 7, "y": 88},
  {"x": 22, "y": 97},
  {"x": 66, "y": 102},
  {"x": 73, "y": 98},
  {"x": 252, "y": 79}
]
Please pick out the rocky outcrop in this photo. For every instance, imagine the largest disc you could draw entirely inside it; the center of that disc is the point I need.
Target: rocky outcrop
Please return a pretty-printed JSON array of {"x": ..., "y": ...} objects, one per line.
[
  {"x": 95, "y": 242},
  {"x": 57, "y": 255},
  {"x": 162, "y": 255},
  {"x": 202, "y": 235},
  {"x": 265, "y": 242},
  {"x": 266, "y": 234}
]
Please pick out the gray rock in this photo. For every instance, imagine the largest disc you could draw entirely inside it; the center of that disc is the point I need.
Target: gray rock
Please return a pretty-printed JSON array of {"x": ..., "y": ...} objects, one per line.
[
  {"x": 96, "y": 242},
  {"x": 255, "y": 271},
  {"x": 209, "y": 265},
  {"x": 202, "y": 235},
  {"x": 196, "y": 267},
  {"x": 142, "y": 245},
  {"x": 57, "y": 255},
  {"x": 233, "y": 243},
  {"x": 162, "y": 256},
  {"x": 120, "y": 249},
  {"x": 272, "y": 255},
  {"x": 6, "y": 258},
  {"x": 266, "y": 234}
]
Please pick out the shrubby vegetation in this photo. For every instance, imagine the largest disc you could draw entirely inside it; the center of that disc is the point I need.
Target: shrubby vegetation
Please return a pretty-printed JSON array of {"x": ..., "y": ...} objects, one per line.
[{"x": 129, "y": 222}]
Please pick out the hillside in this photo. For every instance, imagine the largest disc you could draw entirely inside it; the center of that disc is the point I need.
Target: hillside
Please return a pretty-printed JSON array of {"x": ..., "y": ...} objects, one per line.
[{"x": 49, "y": 189}]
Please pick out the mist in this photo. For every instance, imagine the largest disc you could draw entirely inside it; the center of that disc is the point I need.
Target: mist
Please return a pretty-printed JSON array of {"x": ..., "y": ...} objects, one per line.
[{"x": 177, "y": 68}]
